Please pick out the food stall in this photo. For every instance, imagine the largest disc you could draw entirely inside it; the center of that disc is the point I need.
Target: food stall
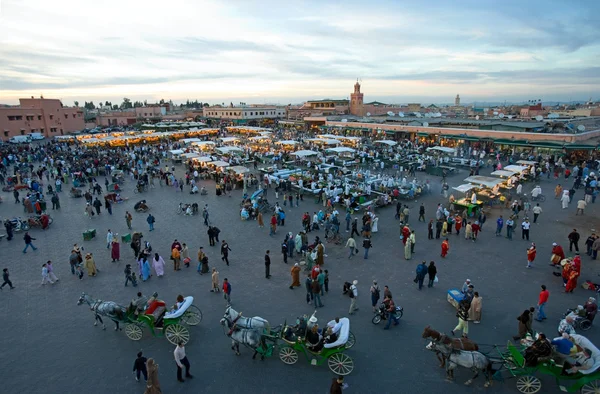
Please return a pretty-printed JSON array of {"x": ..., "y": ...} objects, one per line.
[
  {"x": 488, "y": 190},
  {"x": 204, "y": 145},
  {"x": 442, "y": 155},
  {"x": 520, "y": 171},
  {"x": 176, "y": 155},
  {"x": 229, "y": 140}
]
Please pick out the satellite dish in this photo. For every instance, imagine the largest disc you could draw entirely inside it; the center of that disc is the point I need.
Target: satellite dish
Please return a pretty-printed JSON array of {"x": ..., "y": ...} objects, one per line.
[
  {"x": 501, "y": 116},
  {"x": 425, "y": 124},
  {"x": 438, "y": 115},
  {"x": 581, "y": 127},
  {"x": 539, "y": 118},
  {"x": 510, "y": 116},
  {"x": 401, "y": 114},
  {"x": 390, "y": 113},
  {"x": 344, "y": 120},
  {"x": 477, "y": 117},
  {"x": 418, "y": 114},
  {"x": 553, "y": 116},
  {"x": 495, "y": 113},
  {"x": 368, "y": 114}
]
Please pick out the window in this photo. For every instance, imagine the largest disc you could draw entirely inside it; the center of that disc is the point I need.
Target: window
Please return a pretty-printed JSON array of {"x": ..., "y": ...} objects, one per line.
[
  {"x": 51, "y": 117},
  {"x": 251, "y": 113},
  {"x": 39, "y": 117},
  {"x": 22, "y": 132},
  {"x": 15, "y": 117},
  {"x": 29, "y": 117},
  {"x": 74, "y": 116},
  {"x": 32, "y": 131},
  {"x": 66, "y": 116},
  {"x": 53, "y": 129},
  {"x": 78, "y": 115}
]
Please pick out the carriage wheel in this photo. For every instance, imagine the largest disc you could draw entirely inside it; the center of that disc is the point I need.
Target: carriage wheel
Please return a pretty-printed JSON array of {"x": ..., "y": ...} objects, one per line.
[
  {"x": 592, "y": 387},
  {"x": 176, "y": 333},
  {"x": 351, "y": 340},
  {"x": 585, "y": 324},
  {"x": 192, "y": 317},
  {"x": 529, "y": 384},
  {"x": 133, "y": 332},
  {"x": 340, "y": 364},
  {"x": 135, "y": 190},
  {"x": 288, "y": 355}
]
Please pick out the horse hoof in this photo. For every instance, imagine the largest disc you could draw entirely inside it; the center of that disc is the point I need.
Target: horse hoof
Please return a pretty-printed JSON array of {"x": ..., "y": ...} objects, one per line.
[
  {"x": 487, "y": 384},
  {"x": 468, "y": 382},
  {"x": 237, "y": 354}
]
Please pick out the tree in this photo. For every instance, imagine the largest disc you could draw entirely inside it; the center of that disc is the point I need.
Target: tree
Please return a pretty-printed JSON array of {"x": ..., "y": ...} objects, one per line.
[
  {"x": 126, "y": 104},
  {"x": 115, "y": 107},
  {"x": 162, "y": 101},
  {"x": 206, "y": 105},
  {"x": 138, "y": 104},
  {"x": 76, "y": 103}
]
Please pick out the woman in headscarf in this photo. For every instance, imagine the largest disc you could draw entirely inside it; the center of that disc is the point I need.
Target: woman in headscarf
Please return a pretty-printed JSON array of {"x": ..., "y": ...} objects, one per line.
[
  {"x": 524, "y": 324},
  {"x": 115, "y": 252},
  {"x": 295, "y": 271},
  {"x": 298, "y": 243},
  {"x": 146, "y": 273},
  {"x": 152, "y": 384},
  {"x": 159, "y": 265},
  {"x": 90, "y": 265}
]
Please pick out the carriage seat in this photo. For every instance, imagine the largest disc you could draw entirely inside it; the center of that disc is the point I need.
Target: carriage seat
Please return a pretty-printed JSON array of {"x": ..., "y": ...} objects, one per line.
[
  {"x": 583, "y": 342},
  {"x": 156, "y": 310},
  {"x": 187, "y": 301},
  {"x": 343, "y": 335}
]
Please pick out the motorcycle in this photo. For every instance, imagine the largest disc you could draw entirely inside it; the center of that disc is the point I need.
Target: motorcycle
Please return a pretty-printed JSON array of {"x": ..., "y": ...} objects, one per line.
[
  {"x": 382, "y": 314},
  {"x": 19, "y": 224},
  {"x": 43, "y": 221}
]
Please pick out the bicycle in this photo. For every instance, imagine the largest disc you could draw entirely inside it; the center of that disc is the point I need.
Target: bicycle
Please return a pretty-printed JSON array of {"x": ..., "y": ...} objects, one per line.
[{"x": 334, "y": 238}]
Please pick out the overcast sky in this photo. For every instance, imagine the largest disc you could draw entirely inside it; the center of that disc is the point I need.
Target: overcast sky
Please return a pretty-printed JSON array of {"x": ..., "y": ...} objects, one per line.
[{"x": 282, "y": 52}]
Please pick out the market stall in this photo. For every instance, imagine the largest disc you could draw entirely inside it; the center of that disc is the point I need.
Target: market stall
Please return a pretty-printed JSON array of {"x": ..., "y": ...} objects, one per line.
[
  {"x": 176, "y": 155},
  {"x": 488, "y": 191},
  {"x": 441, "y": 156},
  {"x": 521, "y": 171},
  {"x": 204, "y": 145}
]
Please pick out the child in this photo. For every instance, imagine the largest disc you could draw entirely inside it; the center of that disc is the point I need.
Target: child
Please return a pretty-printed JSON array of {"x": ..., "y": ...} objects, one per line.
[
  {"x": 129, "y": 276},
  {"x": 5, "y": 277},
  {"x": 326, "y": 281},
  {"x": 51, "y": 274},
  {"x": 45, "y": 276}
]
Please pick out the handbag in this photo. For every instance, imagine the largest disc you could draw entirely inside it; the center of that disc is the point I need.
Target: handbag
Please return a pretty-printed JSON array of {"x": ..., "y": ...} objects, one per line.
[{"x": 435, "y": 280}]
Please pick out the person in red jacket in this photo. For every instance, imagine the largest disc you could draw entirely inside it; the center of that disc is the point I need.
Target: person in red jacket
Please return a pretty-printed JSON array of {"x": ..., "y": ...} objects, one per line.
[
  {"x": 558, "y": 251},
  {"x": 475, "y": 227},
  {"x": 457, "y": 224},
  {"x": 405, "y": 234},
  {"x": 531, "y": 252},
  {"x": 543, "y": 299}
]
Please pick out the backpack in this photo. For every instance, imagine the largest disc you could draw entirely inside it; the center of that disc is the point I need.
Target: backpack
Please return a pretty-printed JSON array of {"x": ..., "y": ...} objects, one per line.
[{"x": 352, "y": 291}]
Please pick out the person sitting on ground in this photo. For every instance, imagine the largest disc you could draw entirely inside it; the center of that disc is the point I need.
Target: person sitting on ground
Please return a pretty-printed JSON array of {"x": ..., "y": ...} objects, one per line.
[
  {"x": 194, "y": 190},
  {"x": 188, "y": 210},
  {"x": 540, "y": 348},
  {"x": 140, "y": 206}
]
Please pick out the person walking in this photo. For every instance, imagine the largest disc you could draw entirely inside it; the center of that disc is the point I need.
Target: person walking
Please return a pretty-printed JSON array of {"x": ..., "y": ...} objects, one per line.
[
  {"x": 542, "y": 301},
  {"x": 139, "y": 367},
  {"x": 573, "y": 240},
  {"x": 351, "y": 245},
  {"x": 445, "y": 248},
  {"x": 181, "y": 360},
  {"x": 432, "y": 271},
  {"x": 284, "y": 251},
  {"x": 9, "y": 230},
  {"x": 536, "y": 212},
  {"x": 422, "y": 213},
  {"x": 581, "y": 204},
  {"x": 152, "y": 384},
  {"x": 97, "y": 205},
  {"x": 128, "y": 219},
  {"x": 214, "y": 281},
  {"x": 509, "y": 227},
  {"x": 355, "y": 228},
  {"x": 430, "y": 229},
  {"x": 109, "y": 239},
  {"x": 413, "y": 241},
  {"x": 16, "y": 195},
  {"x": 27, "y": 238},
  {"x": 321, "y": 280},
  {"x": 150, "y": 219},
  {"x": 6, "y": 279},
  {"x": 295, "y": 272},
  {"x": 267, "y": 265},
  {"x": 499, "y": 225},
  {"x": 185, "y": 255},
  {"x": 227, "y": 291},
  {"x": 367, "y": 245},
  {"x": 45, "y": 276},
  {"x": 475, "y": 308},
  {"x": 525, "y": 320},
  {"x": 353, "y": 296},
  {"x": 51, "y": 274},
  {"x": 463, "y": 319},
  {"x": 421, "y": 272},
  {"x": 348, "y": 221},
  {"x": 531, "y": 252},
  {"x": 308, "y": 287},
  {"x": 316, "y": 292},
  {"x": 375, "y": 295},
  {"x": 225, "y": 251},
  {"x": 176, "y": 257},
  {"x": 525, "y": 229}
]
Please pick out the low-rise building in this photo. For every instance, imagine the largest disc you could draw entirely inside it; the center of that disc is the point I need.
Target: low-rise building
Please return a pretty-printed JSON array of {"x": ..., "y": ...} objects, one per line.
[
  {"x": 39, "y": 115},
  {"x": 245, "y": 113}
]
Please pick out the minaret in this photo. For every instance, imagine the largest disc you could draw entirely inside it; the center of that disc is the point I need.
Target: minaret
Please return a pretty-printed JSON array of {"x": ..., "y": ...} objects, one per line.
[
  {"x": 356, "y": 101},
  {"x": 457, "y": 100}
]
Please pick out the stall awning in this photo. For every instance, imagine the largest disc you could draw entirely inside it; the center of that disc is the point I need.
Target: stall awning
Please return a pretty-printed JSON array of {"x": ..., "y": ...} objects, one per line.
[
  {"x": 546, "y": 144},
  {"x": 239, "y": 169},
  {"x": 484, "y": 180},
  {"x": 387, "y": 142},
  {"x": 510, "y": 142},
  {"x": 442, "y": 149},
  {"x": 422, "y": 134},
  {"x": 527, "y": 162},
  {"x": 464, "y": 188},
  {"x": 303, "y": 153},
  {"x": 514, "y": 168},
  {"x": 580, "y": 146},
  {"x": 219, "y": 163},
  {"x": 503, "y": 173}
]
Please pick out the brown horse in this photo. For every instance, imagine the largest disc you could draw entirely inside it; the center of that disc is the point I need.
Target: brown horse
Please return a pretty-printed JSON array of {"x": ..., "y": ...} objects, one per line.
[{"x": 456, "y": 343}]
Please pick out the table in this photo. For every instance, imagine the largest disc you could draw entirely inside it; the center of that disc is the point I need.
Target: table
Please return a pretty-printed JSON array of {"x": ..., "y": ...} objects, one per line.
[{"x": 472, "y": 209}]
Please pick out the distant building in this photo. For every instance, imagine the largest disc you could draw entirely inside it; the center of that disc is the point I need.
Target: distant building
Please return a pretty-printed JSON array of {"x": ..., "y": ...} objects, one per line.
[
  {"x": 326, "y": 107},
  {"x": 457, "y": 101},
  {"x": 533, "y": 110},
  {"x": 356, "y": 101},
  {"x": 151, "y": 111},
  {"x": 116, "y": 118},
  {"x": 39, "y": 115},
  {"x": 243, "y": 114},
  {"x": 414, "y": 107}
]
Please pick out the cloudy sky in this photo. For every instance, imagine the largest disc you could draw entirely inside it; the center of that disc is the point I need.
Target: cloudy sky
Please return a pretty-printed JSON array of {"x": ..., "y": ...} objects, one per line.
[{"x": 281, "y": 52}]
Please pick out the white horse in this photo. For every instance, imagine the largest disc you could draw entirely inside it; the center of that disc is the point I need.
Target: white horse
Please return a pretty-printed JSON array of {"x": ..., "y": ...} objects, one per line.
[
  {"x": 252, "y": 323},
  {"x": 475, "y": 361},
  {"x": 251, "y": 338}
]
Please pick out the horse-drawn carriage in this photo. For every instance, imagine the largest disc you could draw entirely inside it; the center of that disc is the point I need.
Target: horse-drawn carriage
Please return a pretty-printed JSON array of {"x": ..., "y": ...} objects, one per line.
[
  {"x": 154, "y": 315},
  {"x": 256, "y": 333},
  {"x": 514, "y": 365}
]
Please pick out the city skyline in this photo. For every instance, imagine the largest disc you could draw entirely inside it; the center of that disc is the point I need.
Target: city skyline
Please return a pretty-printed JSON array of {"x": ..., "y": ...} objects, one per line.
[{"x": 271, "y": 52}]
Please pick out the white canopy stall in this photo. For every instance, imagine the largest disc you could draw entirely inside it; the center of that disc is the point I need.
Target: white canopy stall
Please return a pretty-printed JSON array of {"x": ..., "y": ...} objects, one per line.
[
  {"x": 484, "y": 180},
  {"x": 187, "y": 141},
  {"x": 386, "y": 142},
  {"x": 503, "y": 173},
  {"x": 228, "y": 140},
  {"x": 442, "y": 149},
  {"x": 190, "y": 155},
  {"x": 324, "y": 141},
  {"x": 516, "y": 169},
  {"x": 464, "y": 188},
  {"x": 527, "y": 162},
  {"x": 239, "y": 169},
  {"x": 304, "y": 153},
  {"x": 287, "y": 142},
  {"x": 228, "y": 149},
  {"x": 341, "y": 149}
]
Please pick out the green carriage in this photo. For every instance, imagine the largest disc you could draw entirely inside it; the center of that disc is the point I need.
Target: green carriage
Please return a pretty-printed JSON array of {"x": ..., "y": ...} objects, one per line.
[
  {"x": 162, "y": 323},
  {"x": 332, "y": 353},
  {"x": 514, "y": 366}
]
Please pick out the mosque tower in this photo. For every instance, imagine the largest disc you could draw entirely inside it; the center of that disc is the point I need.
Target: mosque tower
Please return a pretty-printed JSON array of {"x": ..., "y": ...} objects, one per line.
[{"x": 356, "y": 101}]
